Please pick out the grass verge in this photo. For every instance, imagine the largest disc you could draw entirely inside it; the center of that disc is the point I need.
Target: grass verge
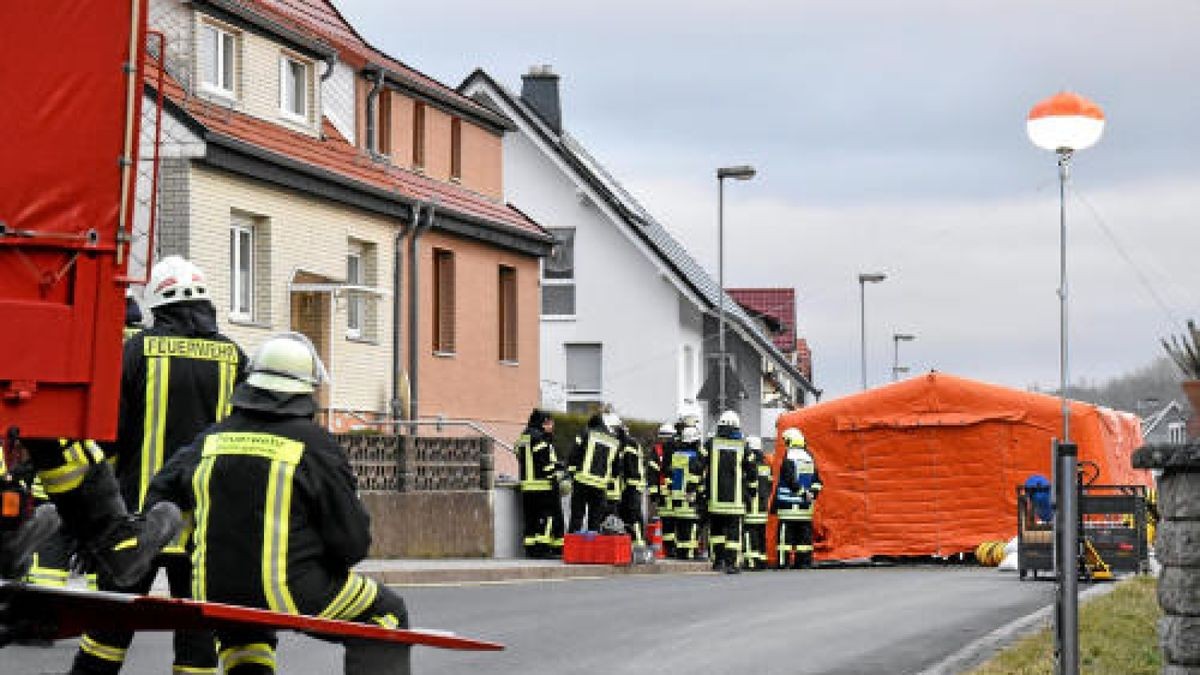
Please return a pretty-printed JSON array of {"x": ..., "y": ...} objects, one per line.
[{"x": 1117, "y": 635}]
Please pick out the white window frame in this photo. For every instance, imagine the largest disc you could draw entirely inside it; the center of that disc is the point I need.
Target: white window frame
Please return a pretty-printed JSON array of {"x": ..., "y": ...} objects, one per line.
[
  {"x": 1177, "y": 432},
  {"x": 356, "y": 303},
  {"x": 224, "y": 62},
  {"x": 571, "y": 281},
  {"x": 285, "y": 71},
  {"x": 236, "y": 250}
]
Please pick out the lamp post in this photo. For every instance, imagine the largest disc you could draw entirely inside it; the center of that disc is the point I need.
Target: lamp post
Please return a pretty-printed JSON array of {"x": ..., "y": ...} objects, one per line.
[
  {"x": 742, "y": 172},
  {"x": 1063, "y": 124},
  {"x": 863, "y": 279},
  {"x": 897, "y": 338}
]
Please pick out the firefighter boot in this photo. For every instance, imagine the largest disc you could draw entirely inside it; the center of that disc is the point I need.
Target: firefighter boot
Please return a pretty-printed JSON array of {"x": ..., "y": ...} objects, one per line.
[
  {"x": 375, "y": 658},
  {"x": 120, "y": 544},
  {"x": 17, "y": 548}
]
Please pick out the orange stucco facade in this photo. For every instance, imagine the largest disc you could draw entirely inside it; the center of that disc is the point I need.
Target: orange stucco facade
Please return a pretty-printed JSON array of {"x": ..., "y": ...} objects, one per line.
[{"x": 473, "y": 382}]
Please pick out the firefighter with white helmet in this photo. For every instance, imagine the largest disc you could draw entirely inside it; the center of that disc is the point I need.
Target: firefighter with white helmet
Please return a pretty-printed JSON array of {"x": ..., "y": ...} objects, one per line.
[
  {"x": 593, "y": 467},
  {"x": 799, "y": 486},
  {"x": 268, "y": 467},
  {"x": 685, "y": 470},
  {"x": 727, "y": 472},
  {"x": 177, "y": 378}
]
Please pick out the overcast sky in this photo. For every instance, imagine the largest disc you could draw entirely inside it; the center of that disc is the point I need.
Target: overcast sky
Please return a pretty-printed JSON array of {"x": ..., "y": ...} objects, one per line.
[{"x": 888, "y": 136}]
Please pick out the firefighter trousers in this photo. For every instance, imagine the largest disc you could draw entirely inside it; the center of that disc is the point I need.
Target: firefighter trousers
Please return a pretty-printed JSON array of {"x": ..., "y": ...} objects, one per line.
[
  {"x": 251, "y": 651},
  {"x": 630, "y": 512},
  {"x": 795, "y": 542},
  {"x": 104, "y": 651},
  {"x": 543, "y": 523},
  {"x": 590, "y": 500},
  {"x": 687, "y": 538},
  {"x": 754, "y": 545},
  {"x": 725, "y": 537}
]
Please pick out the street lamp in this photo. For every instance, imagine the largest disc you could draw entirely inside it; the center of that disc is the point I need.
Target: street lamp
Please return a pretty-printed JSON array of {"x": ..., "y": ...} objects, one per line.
[
  {"x": 863, "y": 279},
  {"x": 897, "y": 338},
  {"x": 1064, "y": 123},
  {"x": 741, "y": 172}
]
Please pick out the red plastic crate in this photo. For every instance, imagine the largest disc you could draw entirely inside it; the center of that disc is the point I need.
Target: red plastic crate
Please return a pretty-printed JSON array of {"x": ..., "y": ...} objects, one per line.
[{"x": 597, "y": 549}]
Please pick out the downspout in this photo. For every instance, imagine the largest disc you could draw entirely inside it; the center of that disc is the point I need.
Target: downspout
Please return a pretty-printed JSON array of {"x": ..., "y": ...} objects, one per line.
[
  {"x": 420, "y": 225},
  {"x": 397, "y": 299},
  {"x": 372, "y": 96}
]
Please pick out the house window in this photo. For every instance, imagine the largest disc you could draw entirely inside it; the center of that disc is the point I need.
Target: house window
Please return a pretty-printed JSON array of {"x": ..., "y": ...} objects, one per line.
[
  {"x": 217, "y": 58},
  {"x": 508, "y": 314},
  {"x": 385, "y": 123},
  {"x": 584, "y": 368},
  {"x": 1177, "y": 432},
  {"x": 356, "y": 303},
  {"x": 455, "y": 149},
  {"x": 688, "y": 373},
  {"x": 241, "y": 269},
  {"x": 443, "y": 302},
  {"x": 558, "y": 275},
  {"x": 418, "y": 145},
  {"x": 293, "y": 88}
]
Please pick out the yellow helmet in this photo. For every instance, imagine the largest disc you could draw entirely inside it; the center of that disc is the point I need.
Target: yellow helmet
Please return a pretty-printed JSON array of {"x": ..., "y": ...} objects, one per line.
[{"x": 793, "y": 438}]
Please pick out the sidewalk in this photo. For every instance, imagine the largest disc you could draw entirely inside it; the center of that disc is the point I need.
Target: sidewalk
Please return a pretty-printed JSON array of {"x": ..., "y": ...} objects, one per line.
[{"x": 414, "y": 572}]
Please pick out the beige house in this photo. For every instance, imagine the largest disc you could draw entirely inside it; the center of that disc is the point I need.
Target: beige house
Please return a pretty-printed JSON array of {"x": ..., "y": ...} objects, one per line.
[{"x": 308, "y": 173}]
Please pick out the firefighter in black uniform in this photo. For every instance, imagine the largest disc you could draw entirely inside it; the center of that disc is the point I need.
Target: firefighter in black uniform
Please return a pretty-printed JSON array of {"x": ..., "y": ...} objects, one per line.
[
  {"x": 593, "y": 469},
  {"x": 541, "y": 500},
  {"x": 268, "y": 468},
  {"x": 659, "y": 488},
  {"x": 177, "y": 379},
  {"x": 799, "y": 485},
  {"x": 687, "y": 506},
  {"x": 758, "y": 497},
  {"x": 633, "y": 486},
  {"x": 726, "y": 474}
]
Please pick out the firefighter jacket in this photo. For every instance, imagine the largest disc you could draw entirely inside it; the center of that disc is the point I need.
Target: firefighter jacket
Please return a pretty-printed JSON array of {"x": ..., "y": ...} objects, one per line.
[
  {"x": 684, "y": 475},
  {"x": 537, "y": 458},
  {"x": 727, "y": 473},
  {"x": 656, "y": 475},
  {"x": 278, "y": 521},
  {"x": 633, "y": 468},
  {"x": 799, "y": 485},
  {"x": 758, "y": 493},
  {"x": 594, "y": 458},
  {"x": 176, "y": 379}
]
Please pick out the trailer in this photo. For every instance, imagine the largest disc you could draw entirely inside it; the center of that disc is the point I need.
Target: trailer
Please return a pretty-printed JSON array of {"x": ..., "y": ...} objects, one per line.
[{"x": 1112, "y": 532}]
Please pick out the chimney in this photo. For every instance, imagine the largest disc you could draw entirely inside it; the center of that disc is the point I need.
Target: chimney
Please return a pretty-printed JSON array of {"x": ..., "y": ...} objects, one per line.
[{"x": 539, "y": 89}]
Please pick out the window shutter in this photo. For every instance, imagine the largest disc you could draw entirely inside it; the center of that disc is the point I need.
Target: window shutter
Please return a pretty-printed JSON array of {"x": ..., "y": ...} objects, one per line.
[{"x": 443, "y": 301}]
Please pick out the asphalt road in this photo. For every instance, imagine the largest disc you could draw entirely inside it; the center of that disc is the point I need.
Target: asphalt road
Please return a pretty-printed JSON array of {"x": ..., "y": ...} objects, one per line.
[{"x": 851, "y": 620}]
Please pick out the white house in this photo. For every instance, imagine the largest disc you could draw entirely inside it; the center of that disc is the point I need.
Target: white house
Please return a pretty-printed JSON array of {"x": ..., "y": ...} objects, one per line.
[{"x": 628, "y": 317}]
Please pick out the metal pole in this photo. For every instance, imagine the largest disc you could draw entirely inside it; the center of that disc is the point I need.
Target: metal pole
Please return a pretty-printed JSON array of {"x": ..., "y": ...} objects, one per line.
[
  {"x": 1066, "y": 514},
  {"x": 721, "y": 293},
  {"x": 895, "y": 358},
  {"x": 862, "y": 309}
]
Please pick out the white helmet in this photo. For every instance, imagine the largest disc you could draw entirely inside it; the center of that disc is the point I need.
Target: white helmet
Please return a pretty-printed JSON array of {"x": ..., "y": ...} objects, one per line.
[
  {"x": 754, "y": 443},
  {"x": 174, "y": 279},
  {"x": 611, "y": 422},
  {"x": 691, "y": 435},
  {"x": 689, "y": 416},
  {"x": 729, "y": 419},
  {"x": 287, "y": 363},
  {"x": 792, "y": 438},
  {"x": 666, "y": 430}
]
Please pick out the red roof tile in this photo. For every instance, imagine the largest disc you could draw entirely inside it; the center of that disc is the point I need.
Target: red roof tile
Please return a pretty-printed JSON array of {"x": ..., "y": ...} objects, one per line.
[
  {"x": 779, "y": 303},
  {"x": 334, "y": 154}
]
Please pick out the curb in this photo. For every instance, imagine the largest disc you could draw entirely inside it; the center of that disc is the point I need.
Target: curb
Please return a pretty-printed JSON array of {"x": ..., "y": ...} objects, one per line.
[
  {"x": 982, "y": 649},
  {"x": 485, "y": 575}
]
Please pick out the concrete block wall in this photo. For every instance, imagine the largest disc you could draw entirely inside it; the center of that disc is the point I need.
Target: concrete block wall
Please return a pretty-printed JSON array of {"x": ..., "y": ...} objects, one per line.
[{"x": 1177, "y": 547}]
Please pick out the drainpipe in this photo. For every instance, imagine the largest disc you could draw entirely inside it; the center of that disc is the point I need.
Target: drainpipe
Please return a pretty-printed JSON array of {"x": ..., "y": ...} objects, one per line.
[
  {"x": 420, "y": 225},
  {"x": 372, "y": 96},
  {"x": 397, "y": 299}
]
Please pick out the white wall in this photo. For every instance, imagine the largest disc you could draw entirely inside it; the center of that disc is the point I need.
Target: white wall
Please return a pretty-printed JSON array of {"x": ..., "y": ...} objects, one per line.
[{"x": 622, "y": 301}]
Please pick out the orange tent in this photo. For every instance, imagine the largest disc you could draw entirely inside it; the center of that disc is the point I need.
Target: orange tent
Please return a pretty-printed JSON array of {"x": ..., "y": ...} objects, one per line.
[{"x": 930, "y": 466}]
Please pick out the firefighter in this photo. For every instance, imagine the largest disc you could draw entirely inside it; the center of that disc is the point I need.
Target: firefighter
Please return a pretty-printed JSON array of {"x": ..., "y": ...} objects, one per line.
[
  {"x": 269, "y": 468},
  {"x": 177, "y": 379},
  {"x": 657, "y": 479},
  {"x": 684, "y": 480},
  {"x": 633, "y": 485},
  {"x": 795, "y": 495},
  {"x": 727, "y": 471},
  {"x": 593, "y": 460},
  {"x": 758, "y": 497},
  {"x": 540, "y": 497}
]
